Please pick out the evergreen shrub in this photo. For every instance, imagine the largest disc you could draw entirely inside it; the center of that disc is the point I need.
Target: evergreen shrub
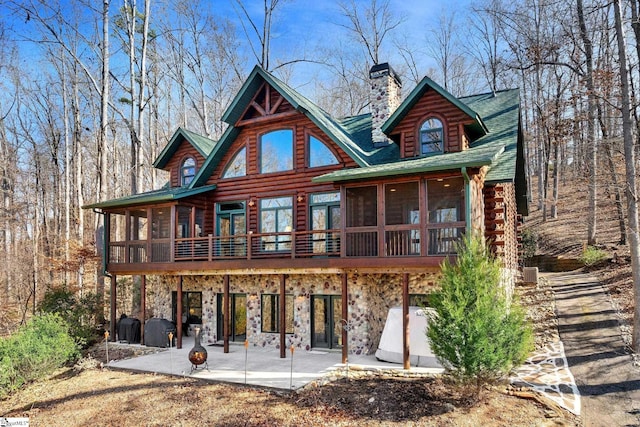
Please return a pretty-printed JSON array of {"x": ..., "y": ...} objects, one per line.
[
  {"x": 478, "y": 334},
  {"x": 35, "y": 350}
]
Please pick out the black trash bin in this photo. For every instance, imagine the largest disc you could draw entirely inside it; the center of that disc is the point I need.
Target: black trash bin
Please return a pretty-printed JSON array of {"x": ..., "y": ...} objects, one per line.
[{"x": 156, "y": 332}]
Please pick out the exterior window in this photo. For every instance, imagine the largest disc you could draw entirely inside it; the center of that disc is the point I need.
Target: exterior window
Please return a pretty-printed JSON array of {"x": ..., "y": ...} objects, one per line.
[
  {"x": 446, "y": 207},
  {"x": 431, "y": 137},
  {"x": 237, "y": 166},
  {"x": 270, "y": 313},
  {"x": 188, "y": 171},
  {"x": 320, "y": 154},
  {"x": 276, "y": 217},
  {"x": 191, "y": 307},
  {"x": 276, "y": 151}
]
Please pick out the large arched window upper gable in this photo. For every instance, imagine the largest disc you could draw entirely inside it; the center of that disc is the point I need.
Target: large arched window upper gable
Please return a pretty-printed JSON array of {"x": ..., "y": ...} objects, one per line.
[
  {"x": 187, "y": 171},
  {"x": 431, "y": 136},
  {"x": 276, "y": 151},
  {"x": 319, "y": 154},
  {"x": 237, "y": 166}
]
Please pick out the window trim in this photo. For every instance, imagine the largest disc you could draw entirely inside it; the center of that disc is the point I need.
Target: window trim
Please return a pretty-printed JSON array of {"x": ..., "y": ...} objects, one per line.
[
  {"x": 293, "y": 150},
  {"x": 276, "y": 329},
  {"x": 182, "y": 169},
  {"x": 279, "y": 239},
  {"x": 232, "y": 160},
  {"x": 421, "y": 123},
  {"x": 308, "y": 137}
]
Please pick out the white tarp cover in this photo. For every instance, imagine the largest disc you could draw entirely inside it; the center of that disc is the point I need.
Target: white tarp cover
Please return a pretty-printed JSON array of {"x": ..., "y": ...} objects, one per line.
[{"x": 390, "y": 347}]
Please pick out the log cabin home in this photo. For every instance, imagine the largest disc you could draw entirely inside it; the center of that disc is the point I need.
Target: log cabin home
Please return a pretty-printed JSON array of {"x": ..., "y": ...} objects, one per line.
[{"x": 306, "y": 228}]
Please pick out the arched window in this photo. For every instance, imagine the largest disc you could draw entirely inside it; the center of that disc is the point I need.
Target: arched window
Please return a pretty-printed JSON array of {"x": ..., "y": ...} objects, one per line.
[
  {"x": 320, "y": 154},
  {"x": 237, "y": 166},
  {"x": 431, "y": 136},
  {"x": 188, "y": 171},
  {"x": 276, "y": 151}
]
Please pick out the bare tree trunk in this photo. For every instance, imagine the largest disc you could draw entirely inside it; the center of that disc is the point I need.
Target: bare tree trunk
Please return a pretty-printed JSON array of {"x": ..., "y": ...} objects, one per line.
[
  {"x": 591, "y": 118},
  {"x": 556, "y": 179},
  {"x": 630, "y": 168},
  {"x": 67, "y": 171},
  {"x": 102, "y": 142}
]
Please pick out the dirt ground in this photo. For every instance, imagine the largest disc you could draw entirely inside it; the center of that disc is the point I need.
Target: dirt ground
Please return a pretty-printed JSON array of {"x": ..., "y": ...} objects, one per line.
[{"x": 91, "y": 395}]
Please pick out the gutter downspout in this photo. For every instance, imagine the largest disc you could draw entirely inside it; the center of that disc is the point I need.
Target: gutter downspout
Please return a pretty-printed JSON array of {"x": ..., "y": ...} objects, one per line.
[{"x": 467, "y": 199}]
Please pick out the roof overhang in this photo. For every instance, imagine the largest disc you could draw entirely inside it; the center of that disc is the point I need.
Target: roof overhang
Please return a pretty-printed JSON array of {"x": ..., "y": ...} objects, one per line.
[{"x": 150, "y": 198}]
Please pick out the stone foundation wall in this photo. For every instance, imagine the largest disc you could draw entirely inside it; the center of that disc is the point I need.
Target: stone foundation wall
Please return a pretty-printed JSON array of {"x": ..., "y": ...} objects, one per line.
[{"x": 369, "y": 298}]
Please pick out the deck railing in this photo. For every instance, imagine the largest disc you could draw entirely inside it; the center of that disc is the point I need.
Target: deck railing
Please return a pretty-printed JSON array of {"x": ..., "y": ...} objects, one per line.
[{"x": 360, "y": 242}]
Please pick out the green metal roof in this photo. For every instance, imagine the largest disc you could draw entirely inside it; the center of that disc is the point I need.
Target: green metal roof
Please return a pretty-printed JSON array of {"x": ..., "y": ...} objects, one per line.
[
  {"x": 496, "y": 149},
  {"x": 477, "y": 157},
  {"x": 416, "y": 94},
  {"x": 351, "y": 134},
  {"x": 201, "y": 143},
  {"x": 151, "y": 197}
]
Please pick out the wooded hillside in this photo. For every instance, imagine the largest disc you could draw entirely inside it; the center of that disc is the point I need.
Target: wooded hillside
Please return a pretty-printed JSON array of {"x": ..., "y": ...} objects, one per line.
[{"x": 91, "y": 92}]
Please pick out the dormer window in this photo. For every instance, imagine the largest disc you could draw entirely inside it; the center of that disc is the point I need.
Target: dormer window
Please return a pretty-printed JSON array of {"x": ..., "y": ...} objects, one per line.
[
  {"x": 431, "y": 137},
  {"x": 187, "y": 171}
]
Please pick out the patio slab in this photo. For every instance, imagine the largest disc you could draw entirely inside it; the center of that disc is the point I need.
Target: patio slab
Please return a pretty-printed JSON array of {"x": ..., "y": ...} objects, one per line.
[{"x": 256, "y": 366}]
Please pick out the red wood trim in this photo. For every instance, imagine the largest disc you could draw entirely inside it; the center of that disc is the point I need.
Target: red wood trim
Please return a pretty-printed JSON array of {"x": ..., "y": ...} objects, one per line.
[
  {"x": 179, "y": 314},
  {"x": 143, "y": 305},
  {"x": 149, "y": 230},
  {"x": 286, "y": 264},
  {"x": 127, "y": 233},
  {"x": 381, "y": 219},
  {"x": 173, "y": 233},
  {"x": 112, "y": 305},
  {"x": 226, "y": 318},
  {"x": 276, "y": 104},
  {"x": 244, "y": 113},
  {"x": 267, "y": 98},
  {"x": 283, "y": 320},
  {"x": 259, "y": 108},
  {"x": 345, "y": 318},
  {"x": 405, "y": 322},
  {"x": 424, "y": 217},
  {"x": 257, "y": 120}
]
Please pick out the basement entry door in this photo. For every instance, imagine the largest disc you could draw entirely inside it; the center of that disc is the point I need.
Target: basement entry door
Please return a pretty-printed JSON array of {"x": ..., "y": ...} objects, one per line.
[{"x": 326, "y": 324}]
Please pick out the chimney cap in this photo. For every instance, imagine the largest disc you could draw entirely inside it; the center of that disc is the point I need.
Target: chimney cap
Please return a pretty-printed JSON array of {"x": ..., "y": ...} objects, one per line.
[{"x": 384, "y": 69}]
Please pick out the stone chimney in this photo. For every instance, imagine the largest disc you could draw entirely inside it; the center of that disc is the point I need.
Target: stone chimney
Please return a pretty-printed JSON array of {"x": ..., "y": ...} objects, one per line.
[{"x": 384, "y": 98}]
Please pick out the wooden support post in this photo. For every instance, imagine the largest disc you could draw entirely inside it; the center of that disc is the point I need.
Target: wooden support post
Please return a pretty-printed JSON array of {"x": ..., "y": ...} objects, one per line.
[
  {"x": 112, "y": 306},
  {"x": 345, "y": 319},
  {"x": 283, "y": 317},
  {"x": 143, "y": 306},
  {"x": 179, "y": 314},
  {"x": 226, "y": 317},
  {"x": 405, "y": 321}
]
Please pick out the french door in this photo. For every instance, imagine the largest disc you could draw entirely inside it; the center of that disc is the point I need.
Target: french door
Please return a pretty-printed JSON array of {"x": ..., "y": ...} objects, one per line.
[
  {"x": 326, "y": 321},
  {"x": 238, "y": 325}
]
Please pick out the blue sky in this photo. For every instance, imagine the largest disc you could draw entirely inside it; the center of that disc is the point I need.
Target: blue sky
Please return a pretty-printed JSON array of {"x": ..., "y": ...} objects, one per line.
[{"x": 307, "y": 24}]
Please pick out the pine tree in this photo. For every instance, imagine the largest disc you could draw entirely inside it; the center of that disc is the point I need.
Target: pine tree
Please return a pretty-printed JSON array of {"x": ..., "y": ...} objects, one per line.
[{"x": 478, "y": 333}]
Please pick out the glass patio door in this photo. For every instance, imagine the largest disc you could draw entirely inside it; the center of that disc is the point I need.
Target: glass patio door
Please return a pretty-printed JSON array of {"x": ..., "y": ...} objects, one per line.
[
  {"x": 326, "y": 321},
  {"x": 325, "y": 215},
  {"x": 238, "y": 326},
  {"x": 231, "y": 223}
]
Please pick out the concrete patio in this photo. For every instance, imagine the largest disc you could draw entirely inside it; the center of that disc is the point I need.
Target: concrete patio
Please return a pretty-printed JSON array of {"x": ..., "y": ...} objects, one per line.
[{"x": 264, "y": 367}]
